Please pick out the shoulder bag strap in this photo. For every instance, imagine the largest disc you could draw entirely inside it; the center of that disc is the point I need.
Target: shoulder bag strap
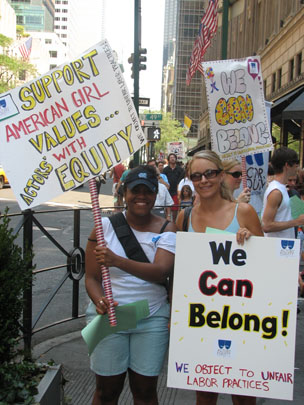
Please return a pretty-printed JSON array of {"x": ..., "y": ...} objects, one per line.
[{"x": 127, "y": 238}]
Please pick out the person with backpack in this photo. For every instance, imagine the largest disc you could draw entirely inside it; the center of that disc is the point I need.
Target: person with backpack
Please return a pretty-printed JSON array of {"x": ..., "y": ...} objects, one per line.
[
  {"x": 140, "y": 263},
  {"x": 217, "y": 210}
]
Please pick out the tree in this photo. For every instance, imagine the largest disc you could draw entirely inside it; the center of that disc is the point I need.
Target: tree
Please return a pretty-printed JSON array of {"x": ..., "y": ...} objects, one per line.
[
  {"x": 12, "y": 69},
  {"x": 171, "y": 130}
]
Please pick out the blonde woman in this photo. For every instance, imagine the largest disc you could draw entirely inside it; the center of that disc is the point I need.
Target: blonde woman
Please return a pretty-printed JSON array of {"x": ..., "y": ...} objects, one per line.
[
  {"x": 233, "y": 179},
  {"x": 216, "y": 209}
]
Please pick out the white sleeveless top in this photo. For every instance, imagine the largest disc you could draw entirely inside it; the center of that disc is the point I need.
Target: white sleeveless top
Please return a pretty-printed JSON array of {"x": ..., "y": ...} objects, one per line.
[{"x": 284, "y": 211}]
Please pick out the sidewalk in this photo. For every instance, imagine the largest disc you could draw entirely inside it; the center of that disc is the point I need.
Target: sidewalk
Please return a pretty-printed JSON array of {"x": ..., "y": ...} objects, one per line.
[{"x": 70, "y": 350}]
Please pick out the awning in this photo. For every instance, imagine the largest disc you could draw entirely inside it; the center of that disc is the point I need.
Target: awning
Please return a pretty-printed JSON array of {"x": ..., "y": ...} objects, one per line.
[
  {"x": 199, "y": 146},
  {"x": 279, "y": 105},
  {"x": 295, "y": 110}
]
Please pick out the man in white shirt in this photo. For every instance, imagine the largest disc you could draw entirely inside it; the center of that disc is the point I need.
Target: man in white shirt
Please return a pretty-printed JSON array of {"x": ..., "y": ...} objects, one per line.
[{"x": 276, "y": 215}]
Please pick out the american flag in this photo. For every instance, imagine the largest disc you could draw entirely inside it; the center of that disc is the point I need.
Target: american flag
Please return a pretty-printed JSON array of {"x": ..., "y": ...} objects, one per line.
[
  {"x": 207, "y": 29},
  {"x": 25, "y": 48}
]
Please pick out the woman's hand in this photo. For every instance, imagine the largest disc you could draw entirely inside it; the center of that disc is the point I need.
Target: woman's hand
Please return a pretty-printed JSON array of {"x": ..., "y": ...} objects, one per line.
[
  {"x": 244, "y": 196},
  {"x": 242, "y": 235},
  {"x": 105, "y": 256},
  {"x": 103, "y": 305}
]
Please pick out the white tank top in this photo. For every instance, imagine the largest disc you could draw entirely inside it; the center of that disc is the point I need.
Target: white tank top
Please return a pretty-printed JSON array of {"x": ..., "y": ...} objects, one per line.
[{"x": 283, "y": 212}]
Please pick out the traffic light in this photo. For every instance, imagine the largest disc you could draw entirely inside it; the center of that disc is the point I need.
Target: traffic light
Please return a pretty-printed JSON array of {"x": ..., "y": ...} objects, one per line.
[
  {"x": 154, "y": 134},
  {"x": 131, "y": 60},
  {"x": 142, "y": 58}
]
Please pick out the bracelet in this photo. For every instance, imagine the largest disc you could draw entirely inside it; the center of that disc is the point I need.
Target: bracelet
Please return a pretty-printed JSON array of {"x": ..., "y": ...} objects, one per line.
[{"x": 92, "y": 240}]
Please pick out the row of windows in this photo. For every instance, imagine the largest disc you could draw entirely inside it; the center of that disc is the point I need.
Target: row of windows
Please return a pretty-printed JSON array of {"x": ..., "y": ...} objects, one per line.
[
  {"x": 58, "y": 10},
  {"x": 294, "y": 70},
  {"x": 61, "y": 2},
  {"x": 63, "y": 27},
  {"x": 62, "y": 18}
]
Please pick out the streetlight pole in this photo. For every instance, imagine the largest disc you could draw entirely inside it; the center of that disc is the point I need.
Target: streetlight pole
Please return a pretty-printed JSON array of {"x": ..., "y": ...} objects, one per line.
[{"x": 137, "y": 44}]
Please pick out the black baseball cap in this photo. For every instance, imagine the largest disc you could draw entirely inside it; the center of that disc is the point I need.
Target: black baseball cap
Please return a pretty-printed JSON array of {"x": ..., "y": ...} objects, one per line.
[{"x": 142, "y": 175}]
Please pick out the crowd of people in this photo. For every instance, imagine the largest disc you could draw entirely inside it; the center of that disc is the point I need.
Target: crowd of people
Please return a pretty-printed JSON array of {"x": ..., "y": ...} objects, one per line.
[{"x": 161, "y": 199}]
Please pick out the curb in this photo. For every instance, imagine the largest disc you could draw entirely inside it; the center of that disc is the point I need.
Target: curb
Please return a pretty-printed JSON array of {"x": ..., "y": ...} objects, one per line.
[{"x": 44, "y": 347}]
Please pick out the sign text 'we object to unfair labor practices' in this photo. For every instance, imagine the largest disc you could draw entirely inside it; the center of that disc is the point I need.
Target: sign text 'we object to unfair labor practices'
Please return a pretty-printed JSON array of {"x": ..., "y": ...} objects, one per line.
[{"x": 233, "y": 319}]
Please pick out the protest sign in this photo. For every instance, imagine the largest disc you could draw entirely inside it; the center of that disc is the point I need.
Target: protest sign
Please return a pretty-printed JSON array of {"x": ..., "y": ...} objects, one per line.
[
  {"x": 67, "y": 126},
  {"x": 233, "y": 317},
  {"x": 238, "y": 119},
  {"x": 176, "y": 147},
  {"x": 256, "y": 179}
]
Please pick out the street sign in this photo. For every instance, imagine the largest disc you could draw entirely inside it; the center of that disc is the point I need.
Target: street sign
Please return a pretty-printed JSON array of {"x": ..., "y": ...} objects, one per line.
[
  {"x": 154, "y": 134},
  {"x": 143, "y": 102},
  {"x": 153, "y": 117},
  {"x": 150, "y": 119}
]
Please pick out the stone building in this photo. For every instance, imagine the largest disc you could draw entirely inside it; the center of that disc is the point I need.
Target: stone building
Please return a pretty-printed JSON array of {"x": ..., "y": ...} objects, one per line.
[{"x": 274, "y": 30}]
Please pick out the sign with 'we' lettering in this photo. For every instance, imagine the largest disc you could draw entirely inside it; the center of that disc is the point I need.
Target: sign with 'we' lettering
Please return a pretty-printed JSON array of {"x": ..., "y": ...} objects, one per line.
[
  {"x": 232, "y": 329},
  {"x": 238, "y": 118},
  {"x": 67, "y": 126}
]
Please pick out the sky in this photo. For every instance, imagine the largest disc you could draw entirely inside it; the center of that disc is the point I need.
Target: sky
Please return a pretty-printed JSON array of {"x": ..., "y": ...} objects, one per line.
[{"x": 118, "y": 29}]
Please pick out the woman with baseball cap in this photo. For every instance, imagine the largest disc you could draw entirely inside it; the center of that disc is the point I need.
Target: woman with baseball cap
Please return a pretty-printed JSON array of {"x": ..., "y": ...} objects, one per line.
[{"x": 139, "y": 352}]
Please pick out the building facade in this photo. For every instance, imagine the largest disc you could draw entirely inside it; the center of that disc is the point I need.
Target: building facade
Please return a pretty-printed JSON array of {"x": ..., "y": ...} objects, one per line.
[
  {"x": 34, "y": 15},
  {"x": 187, "y": 100},
  {"x": 274, "y": 30}
]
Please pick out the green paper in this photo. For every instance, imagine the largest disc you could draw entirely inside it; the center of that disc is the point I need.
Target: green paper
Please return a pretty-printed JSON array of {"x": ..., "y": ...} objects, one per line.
[
  {"x": 127, "y": 317},
  {"x": 214, "y": 230},
  {"x": 296, "y": 206}
]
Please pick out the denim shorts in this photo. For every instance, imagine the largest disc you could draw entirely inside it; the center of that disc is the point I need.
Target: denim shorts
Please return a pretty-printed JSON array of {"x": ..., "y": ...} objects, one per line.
[{"x": 142, "y": 349}]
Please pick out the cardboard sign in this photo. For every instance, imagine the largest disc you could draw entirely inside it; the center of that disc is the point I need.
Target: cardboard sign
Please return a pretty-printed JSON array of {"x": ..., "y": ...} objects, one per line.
[
  {"x": 176, "y": 147},
  {"x": 233, "y": 316},
  {"x": 238, "y": 119},
  {"x": 67, "y": 126}
]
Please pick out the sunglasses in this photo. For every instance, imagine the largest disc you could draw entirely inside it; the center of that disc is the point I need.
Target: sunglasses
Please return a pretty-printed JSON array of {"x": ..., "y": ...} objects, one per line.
[
  {"x": 208, "y": 174},
  {"x": 236, "y": 175}
]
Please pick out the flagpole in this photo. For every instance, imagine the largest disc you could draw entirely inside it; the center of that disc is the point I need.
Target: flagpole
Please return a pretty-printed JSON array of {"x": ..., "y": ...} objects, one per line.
[{"x": 225, "y": 28}]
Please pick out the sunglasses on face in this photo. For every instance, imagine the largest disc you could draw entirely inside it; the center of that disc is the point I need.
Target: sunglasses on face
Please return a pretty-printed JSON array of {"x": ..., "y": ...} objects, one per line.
[
  {"x": 236, "y": 175},
  {"x": 208, "y": 174}
]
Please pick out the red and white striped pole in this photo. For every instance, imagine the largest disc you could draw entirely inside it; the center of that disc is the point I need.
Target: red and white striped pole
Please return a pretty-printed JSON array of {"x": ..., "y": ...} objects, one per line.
[
  {"x": 244, "y": 173},
  {"x": 101, "y": 242}
]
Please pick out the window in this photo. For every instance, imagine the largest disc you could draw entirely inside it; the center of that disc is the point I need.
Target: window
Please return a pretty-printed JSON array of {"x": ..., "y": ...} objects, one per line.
[
  {"x": 48, "y": 41},
  {"x": 299, "y": 64},
  {"x": 279, "y": 78},
  {"x": 52, "y": 66},
  {"x": 58, "y": 2},
  {"x": 20, "y": 19},
  {"x": 63, "y": 36},
  {"x": 64, "y": 19},
  {"x": 65, "y": 2},
  {"x": 56, "y": 27},
  {"x": 53, "y": 54},
  {"x": 273, "y": 83},
  {"x": 57, "y": 18},
  {"x": 291, "y": 70},
  {"x": 64, "y": 10},
  {"x": 64, "y": 27}
]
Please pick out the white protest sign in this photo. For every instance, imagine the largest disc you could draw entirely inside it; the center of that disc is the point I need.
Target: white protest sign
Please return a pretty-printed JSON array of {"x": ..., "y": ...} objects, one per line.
[
  {"x": 233, "y": 317},
  {"x": 67, "y": 126},
  {"x": 238, "y": 119},
  {"x": 176, "y": 147}
]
